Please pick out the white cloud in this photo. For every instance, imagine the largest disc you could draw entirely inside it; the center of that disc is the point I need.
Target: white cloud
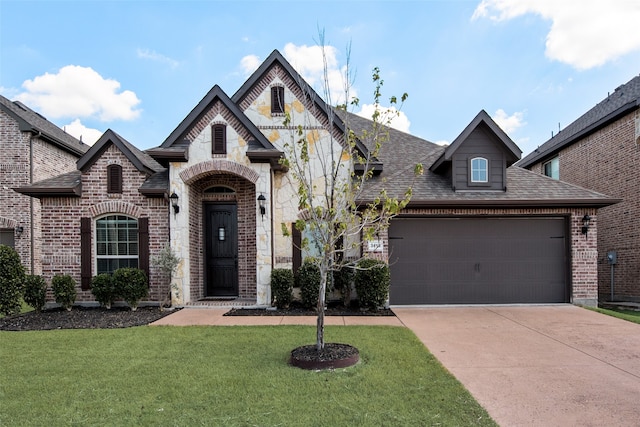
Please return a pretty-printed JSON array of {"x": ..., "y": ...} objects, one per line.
[
  {"x": 249, "y": 64},
  {"x": 155, "y": 56},
  {"x": 584, "y": 35},
  {"x": 442, "y": 143},
  {"x": 77, "y": 91},
  {"x": 509, "y": 123},
  {"x": 87, "y": 135},
  {"x": 397, "y": 119}
]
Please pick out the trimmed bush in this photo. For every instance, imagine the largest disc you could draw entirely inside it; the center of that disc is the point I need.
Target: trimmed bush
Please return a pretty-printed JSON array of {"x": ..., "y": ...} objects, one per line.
[
  {"x": 342, "y": 282},
  {"x": 64, "y": 290},
  {"x": 282, "y": 286},
  {"x": 372, "y": 281},
  {"x": 35, "y": 291},
  {"x": 104, "y": 290},
  {"x": 11, "y": 278},
  {"x": 308, "y": 279},
  {"x": 132, "y": 285}
]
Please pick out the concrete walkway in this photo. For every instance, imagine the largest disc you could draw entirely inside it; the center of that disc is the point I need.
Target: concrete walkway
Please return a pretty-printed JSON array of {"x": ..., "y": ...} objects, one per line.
[
  {"x": 527, "y": 366},
  {"x": 538, "y": 366}
]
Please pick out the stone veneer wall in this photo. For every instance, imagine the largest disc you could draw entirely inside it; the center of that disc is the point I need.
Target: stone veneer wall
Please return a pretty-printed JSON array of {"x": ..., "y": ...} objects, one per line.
[{"x": 607, "y": 161}]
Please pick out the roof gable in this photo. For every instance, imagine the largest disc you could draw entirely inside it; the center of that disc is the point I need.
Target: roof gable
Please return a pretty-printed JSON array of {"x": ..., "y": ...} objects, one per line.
[
  {"x": 142, "y": 161},
  {"x": 482, "y": 119},
  {"x": 30, "y": 121}
]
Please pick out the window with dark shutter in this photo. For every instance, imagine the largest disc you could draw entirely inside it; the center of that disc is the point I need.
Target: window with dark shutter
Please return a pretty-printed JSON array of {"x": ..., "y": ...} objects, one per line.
[
  {"x": 114, "y": 179},
  {"x": 277, "y": 100},
  {"x": 297, "y": 247},
  {"x": 85, "y": 253},
  {"x": 219, "y": 139}
]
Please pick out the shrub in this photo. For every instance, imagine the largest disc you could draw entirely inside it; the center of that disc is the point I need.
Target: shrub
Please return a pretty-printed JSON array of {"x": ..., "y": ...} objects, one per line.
[
  {"x": 103, "y": 289},
  {"x": 64, "y": 290},
  {"x": 282, "y": 286},
  {"x": 132, "y": 285},
  {"x": 11, "y": 278},
  {"x": 35, "y": 291},
  {"x": 342, "y": 282},
  {"x": 308, "y": 279},
  {"x": 372, "y": 281}
]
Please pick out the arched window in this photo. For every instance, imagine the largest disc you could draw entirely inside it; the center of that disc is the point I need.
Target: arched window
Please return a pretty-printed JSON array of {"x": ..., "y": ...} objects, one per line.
[
  {"x": 114, "y": 179},
  {"x": 479, "y": 169},
  {"x": 116, "y": 243}
]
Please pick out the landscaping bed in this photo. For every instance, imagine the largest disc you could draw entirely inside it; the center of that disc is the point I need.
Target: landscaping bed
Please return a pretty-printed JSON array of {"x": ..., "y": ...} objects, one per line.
[
  {"x": 82, "y": 318},
  {"x": 297, "y": 309}
]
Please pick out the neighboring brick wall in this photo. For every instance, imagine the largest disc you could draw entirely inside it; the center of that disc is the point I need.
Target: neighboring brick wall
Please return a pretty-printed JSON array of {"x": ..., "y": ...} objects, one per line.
[
  {"x": 61, "y": 221},
  {"x": 583, "y": 254},
  {"x": 16, "y": 151},
  {"x": 608, "y": 162}
]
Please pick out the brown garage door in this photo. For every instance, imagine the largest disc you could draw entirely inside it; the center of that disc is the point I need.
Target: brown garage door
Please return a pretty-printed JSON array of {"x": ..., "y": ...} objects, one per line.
[{"x": 478, "y": 261}]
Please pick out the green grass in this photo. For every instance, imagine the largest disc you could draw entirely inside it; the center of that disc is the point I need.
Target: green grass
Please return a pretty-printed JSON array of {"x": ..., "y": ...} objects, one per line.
[
  {"x": 224, "y": 376},
  {"x": 630, "y": 315}
]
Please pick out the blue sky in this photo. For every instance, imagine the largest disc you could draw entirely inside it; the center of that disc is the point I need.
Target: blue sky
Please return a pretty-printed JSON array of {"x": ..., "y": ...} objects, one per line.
[{"x": 139, "y": 67}]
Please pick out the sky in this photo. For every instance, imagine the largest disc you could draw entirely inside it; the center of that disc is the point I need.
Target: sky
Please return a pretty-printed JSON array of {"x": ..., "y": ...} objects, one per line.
[{"x": 139, "y": 67}]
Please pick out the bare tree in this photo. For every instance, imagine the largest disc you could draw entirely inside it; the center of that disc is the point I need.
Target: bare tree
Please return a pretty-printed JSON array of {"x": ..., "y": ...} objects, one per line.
[{"x": 331, "y": 162}]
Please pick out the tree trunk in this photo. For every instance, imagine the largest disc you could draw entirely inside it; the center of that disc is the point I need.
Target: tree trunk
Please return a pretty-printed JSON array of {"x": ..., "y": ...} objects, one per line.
[{"x": 321, "y": 304}]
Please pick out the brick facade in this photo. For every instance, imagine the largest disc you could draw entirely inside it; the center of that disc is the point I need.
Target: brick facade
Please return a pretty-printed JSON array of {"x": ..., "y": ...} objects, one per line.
[
  {"x": 25, "y": 158},
  {"x": 607, "y": 161}
]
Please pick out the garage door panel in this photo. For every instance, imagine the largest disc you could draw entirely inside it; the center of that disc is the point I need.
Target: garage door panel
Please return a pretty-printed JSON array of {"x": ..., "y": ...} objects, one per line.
[{"x": 483, "y": 261}]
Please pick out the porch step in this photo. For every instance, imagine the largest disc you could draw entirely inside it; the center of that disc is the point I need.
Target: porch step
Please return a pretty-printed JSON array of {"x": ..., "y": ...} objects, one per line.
[{"x": 222, "y": 302}]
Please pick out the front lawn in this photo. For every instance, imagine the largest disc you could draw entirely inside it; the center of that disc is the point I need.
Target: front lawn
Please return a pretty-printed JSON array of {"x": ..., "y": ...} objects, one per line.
[
  {"x": 224, "y": 376},
  {"x": 630, "y": 315}
]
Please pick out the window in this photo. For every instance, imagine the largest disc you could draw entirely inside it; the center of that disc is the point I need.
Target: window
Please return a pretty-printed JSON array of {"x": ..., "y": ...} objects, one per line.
[
  {"x": 114, "y": 179},
  {"x": 219, "y": 133},
  {"x": 116, "y": 243},
  {"x": 479, "y": 169},
  {"x": 277, "y": 100},
  {"x": 552, "y": 168},
  {"x": 7, "y": 237}
]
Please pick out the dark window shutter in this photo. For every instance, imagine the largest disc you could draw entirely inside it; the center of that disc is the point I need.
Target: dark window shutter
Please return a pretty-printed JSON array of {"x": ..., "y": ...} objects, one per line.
[
  {"x": 85, "y": 253},
  {"x": 219, "y": 139},
  {"x": 277, "y": 99},
  {"x": 143, "y": 245},
  {"x": 114, "y": 179},
  {"x": 297, "y": 251}
]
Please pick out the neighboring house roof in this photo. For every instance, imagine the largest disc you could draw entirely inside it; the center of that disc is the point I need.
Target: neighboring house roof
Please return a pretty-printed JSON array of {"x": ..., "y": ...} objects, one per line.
[
  {"x": 625, "y": 99},
  {"x": 432, "y": 190},
  {"x": 30, "y": 121},
  {"x": 513, "y": 152},
  {"x": 66, "y": 185}
]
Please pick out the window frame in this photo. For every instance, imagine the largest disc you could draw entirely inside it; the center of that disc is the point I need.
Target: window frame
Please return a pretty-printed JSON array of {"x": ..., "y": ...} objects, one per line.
[
  {"x": 109, "y": 232},
  {"x": 551, "y": 163},
  {"x": 277, "y": 93},
  {"x": 114, "y": 179},
  {"x": 9, "y": 237},
  {"x": 472, "y": 170},
  {"x": 222, "y": 148}
]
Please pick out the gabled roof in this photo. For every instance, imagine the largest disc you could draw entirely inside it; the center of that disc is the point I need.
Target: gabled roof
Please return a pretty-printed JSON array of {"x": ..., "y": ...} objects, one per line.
[
  {"x": 142, "y": 161},
  {"x": 30, "y": 121},
  {"x": 511, "y": 149},
  {"x": 625, "y": 99},
  {"x": 65, "y": 185},
  {"x": 276, "y": 58}
]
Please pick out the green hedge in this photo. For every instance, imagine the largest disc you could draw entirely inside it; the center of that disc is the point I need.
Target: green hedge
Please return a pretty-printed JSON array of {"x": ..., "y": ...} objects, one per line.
[
  {"x": 11, "y": 278},
  {"x": 282, "y": 286},
  {"x": 372, "y": 281},
  {"x": 64, "y": 290}
]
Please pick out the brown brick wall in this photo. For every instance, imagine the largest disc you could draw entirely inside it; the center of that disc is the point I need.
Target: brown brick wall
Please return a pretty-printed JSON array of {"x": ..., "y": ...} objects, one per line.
[
  {"x": 17, "y": 150},
  {"x": 608, "y": 162},
  {"x": 61, "y": 221}
]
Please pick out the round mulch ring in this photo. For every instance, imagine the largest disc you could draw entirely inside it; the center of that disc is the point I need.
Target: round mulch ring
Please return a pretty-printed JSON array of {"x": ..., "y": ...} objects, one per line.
[{"x": 333, "y": 356}]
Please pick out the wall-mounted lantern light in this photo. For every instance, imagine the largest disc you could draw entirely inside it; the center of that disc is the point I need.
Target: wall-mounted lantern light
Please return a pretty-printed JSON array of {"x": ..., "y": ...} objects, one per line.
[
  {"x": 222, "y": 234},
  {"x": 19, "y": 230},
  {"x": 586, "y": 221},
  {"x": 262, "y": 203},
  {"x": 174, "y": 202}
]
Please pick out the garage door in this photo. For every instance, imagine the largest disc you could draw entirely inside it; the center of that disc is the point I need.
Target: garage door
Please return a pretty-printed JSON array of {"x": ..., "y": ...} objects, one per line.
[{"x": 478, "y": 261}]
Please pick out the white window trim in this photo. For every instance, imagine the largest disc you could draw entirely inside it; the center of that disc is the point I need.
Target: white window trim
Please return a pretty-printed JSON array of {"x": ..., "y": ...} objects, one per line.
[
  {"x": 94, "y": 245},
  {"x": 486, "y": 170}
]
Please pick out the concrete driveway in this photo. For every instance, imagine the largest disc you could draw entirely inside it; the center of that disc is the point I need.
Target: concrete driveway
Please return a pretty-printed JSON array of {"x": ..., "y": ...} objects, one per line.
[{"x": 538, "y": 365}]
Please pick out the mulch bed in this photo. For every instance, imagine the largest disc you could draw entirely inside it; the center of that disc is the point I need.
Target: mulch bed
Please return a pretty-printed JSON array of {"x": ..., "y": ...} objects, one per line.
[
  {"x": 82, "y": 318},
  {"x": 296, "y": 309}
]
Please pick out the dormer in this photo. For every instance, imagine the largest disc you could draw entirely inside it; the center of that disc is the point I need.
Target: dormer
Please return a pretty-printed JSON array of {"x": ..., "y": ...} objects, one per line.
[{"x": 477, "y": 160}]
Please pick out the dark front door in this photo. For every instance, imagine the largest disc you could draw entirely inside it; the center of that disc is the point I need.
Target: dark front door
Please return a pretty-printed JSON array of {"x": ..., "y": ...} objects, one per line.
[{"x": 221, "y": 257}]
